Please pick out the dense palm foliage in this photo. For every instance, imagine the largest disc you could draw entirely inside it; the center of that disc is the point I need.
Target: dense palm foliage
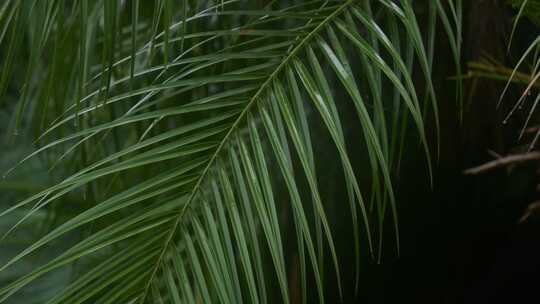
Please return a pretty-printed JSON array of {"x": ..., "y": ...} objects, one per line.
[
  {"x": 192, "y": 130},
  {"x": 525, "y": 72}
]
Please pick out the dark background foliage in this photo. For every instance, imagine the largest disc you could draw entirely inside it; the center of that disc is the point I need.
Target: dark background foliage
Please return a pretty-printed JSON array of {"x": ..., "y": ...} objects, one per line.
[{"x": 462, "y": 242}]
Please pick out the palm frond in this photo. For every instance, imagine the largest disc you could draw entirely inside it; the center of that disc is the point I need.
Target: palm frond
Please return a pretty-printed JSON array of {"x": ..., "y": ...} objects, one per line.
[
  {"x": 529, "y": 79},
  {"x": 200, "y": 119}
]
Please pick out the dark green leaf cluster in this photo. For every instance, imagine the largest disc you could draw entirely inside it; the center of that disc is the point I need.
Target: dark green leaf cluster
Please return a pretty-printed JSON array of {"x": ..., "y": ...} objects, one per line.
[{"x": 528, "y": 8}]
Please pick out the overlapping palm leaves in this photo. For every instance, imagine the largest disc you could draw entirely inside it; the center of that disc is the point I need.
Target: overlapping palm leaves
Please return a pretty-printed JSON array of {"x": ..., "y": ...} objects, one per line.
[
  {"x": 186, "y": 126},
  {"x": 531, "y": 81},
  {"x": 525, "y": 72}
]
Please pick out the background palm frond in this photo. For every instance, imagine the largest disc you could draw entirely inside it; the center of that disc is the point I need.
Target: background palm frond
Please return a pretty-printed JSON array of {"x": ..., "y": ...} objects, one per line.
[{"x": 527, "y": 8}]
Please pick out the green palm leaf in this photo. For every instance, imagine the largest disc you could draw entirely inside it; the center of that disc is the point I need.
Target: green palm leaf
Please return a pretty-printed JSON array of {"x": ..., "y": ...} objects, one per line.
[{"x": 191, "y": 127}]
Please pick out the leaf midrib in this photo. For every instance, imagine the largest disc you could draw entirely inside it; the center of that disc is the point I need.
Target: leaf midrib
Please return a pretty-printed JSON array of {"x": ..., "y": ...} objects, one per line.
[{"x": 234, "y": 126}]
